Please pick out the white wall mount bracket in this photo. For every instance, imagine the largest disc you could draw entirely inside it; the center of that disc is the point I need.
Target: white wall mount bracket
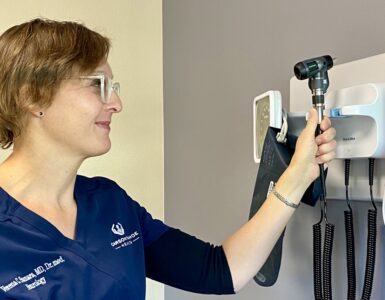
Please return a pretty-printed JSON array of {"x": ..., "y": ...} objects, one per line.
[{"x": 358, "y": 114}]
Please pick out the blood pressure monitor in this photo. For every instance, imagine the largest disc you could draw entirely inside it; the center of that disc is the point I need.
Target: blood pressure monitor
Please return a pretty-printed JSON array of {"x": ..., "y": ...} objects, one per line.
[{"x": 267, "y": 112}]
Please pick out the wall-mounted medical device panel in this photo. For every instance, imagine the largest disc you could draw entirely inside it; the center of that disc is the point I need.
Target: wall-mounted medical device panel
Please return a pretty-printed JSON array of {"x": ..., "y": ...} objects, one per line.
[{"x": 354, "y": 99}]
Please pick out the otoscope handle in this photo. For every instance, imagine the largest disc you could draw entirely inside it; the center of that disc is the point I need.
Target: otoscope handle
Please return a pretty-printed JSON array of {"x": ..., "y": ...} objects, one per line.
[
  {"x": 319, "y": 105},
  {"x": 320, "y": 109}
]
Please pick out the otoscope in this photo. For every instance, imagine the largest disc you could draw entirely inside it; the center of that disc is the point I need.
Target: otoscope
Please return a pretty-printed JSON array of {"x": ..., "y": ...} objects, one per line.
[{"x": 315, "y": 69}]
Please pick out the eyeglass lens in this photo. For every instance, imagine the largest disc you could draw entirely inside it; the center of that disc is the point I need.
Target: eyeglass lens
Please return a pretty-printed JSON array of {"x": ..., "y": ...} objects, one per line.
[{"x": 109, "y": 87}]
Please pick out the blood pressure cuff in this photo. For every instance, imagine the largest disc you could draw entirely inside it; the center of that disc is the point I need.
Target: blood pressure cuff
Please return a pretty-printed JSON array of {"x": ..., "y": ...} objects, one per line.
[
  {"x": 185, "y": 262},
  {"x": 274, "y": 161}
]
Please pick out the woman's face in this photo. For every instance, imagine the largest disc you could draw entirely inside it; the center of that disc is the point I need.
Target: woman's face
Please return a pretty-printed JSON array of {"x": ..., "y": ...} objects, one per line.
[{"x": 78, "y": 121}]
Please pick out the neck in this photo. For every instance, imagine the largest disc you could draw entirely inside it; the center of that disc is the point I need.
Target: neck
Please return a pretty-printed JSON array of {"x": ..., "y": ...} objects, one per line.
[{"x": 35, "y": 176}]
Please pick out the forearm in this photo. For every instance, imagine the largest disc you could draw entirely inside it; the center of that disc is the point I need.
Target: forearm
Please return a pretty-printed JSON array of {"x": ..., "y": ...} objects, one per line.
[
  {"x": 248, "y": 248},
  {"x": 183, "y": 261}
]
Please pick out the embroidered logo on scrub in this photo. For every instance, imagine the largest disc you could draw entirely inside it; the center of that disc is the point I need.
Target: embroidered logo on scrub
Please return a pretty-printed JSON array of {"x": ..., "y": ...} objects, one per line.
[
  {"x": 117, "y": 229},
  {"x": 124, "y": 241},
  {"x": 33, "y": 279}
]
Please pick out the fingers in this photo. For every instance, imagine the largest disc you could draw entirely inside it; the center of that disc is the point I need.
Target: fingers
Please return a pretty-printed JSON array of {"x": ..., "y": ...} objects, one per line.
[
  {"x": 326, "y": 148},
  {"x": 325, "y": 158},
  {"x": 326, "y": 137},
  {"x": 320, "y": 149},
  {"x": 326, "y": 142},
  {"x": 325, "y": 124},
  {"x": 312, "y": 122}
]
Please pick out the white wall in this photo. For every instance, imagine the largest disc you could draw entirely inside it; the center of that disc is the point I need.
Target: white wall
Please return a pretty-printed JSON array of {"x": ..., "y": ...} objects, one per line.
[{"x": 135, "y": 28}]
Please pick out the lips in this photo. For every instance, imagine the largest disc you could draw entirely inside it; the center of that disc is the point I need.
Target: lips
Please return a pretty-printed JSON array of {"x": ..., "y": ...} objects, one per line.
[{"x": 103, "y": 124}]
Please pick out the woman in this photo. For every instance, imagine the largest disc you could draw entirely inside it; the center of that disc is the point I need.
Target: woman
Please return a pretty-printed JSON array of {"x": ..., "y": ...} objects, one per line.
[{"x": 65, "y": 236}]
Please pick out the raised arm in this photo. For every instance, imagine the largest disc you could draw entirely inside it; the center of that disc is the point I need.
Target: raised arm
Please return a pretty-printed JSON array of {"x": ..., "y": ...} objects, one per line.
[{"x": 248, "y": 248}]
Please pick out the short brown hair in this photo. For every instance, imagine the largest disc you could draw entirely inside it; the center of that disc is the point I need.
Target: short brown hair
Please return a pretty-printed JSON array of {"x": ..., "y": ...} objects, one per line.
[{"x": 34, "y": 58}]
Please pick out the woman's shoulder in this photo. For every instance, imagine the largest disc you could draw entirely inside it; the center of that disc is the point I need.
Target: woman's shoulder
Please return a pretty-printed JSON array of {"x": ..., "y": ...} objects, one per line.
[
  {"x": 100, "y": 189},
  {"x": 97, "y": 183}
]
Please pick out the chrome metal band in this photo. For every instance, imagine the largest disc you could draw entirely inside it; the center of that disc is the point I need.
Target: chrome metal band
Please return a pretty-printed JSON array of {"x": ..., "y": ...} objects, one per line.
[{"x": 283, "y": 199}]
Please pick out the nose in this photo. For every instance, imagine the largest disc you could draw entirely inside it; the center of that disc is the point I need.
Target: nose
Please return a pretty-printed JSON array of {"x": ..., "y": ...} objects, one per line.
[{"x": 115, "y": 103}]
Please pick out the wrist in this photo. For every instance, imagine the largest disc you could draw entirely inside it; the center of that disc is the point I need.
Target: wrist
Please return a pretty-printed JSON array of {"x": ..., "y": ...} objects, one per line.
[
  {"x": 293, "y": 183},
  {"x": 299, "y": 175},
  {"x": 281, "y": 198}
]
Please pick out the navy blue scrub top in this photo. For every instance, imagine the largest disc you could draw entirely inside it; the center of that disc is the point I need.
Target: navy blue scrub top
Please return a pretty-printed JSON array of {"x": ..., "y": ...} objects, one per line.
[{"x": 105, "y": 261}]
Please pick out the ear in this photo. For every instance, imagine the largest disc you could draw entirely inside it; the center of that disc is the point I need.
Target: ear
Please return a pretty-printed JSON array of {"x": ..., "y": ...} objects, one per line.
[
  {"x": 35, "y": 110},
  {"x": 38, "y": 114}
]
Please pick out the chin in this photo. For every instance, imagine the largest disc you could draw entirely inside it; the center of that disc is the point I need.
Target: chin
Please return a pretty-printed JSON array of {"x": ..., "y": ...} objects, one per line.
[{"x": 99, "y": 150}]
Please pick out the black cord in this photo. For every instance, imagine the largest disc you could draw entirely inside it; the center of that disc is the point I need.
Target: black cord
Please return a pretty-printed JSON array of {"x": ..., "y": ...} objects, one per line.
[
  {"x": 370, "y": 255},
  {"x": 371, "y": 176},
  {"x": 350, "y": 255},
  {"x": 317, "y": 254},
  {"x": 371, "y": 240},
  {"x": 322, "y": 273},
  {"x": 317, "y": 267},
  {"x": 347, "y": 172},
  {"x": 327, "y": 259},
  {"x": 349, "y": 233}
]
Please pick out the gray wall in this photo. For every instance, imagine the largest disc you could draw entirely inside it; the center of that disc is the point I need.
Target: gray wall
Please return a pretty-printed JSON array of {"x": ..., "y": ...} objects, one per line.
[{"x": 218, "y": 55}]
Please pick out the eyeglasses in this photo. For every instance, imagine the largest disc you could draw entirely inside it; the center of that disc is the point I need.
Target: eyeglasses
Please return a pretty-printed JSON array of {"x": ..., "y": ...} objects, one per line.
[{"x": 105, "y": 84}]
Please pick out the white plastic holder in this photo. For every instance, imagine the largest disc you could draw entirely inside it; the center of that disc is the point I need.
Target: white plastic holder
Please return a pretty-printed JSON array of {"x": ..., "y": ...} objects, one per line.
[{"x": 358, "y": 114}]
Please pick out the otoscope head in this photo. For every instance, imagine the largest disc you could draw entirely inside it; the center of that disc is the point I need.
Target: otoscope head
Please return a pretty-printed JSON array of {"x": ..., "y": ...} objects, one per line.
[{"x": 308, "y": 68}]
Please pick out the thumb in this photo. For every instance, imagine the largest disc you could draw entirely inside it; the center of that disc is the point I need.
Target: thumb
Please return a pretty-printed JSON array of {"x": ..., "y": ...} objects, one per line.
[{"x": 312, "y": 121}]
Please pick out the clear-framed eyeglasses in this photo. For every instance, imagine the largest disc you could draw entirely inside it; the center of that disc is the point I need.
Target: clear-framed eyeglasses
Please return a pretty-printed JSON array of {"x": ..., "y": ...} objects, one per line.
[{"x": 105, "y": 84}]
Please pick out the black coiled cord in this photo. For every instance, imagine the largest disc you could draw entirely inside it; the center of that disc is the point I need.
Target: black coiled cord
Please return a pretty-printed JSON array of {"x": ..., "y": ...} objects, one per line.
[
  {"x": 371, "y": 254},
  {"x": 350, "y": 255},
  {"x": 327, "y": 261},
  {"x": 317, "y": 249},
  {"x": 317, "y": 267},
  {"x": 322, "y": 270},
  {"x": 349, "y": 233},
  {"x": 371, "y": 241}
]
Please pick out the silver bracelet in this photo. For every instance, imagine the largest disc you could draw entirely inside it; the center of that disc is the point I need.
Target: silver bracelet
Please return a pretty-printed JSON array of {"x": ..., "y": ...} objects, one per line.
[{"x": 281, "y": 198}]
